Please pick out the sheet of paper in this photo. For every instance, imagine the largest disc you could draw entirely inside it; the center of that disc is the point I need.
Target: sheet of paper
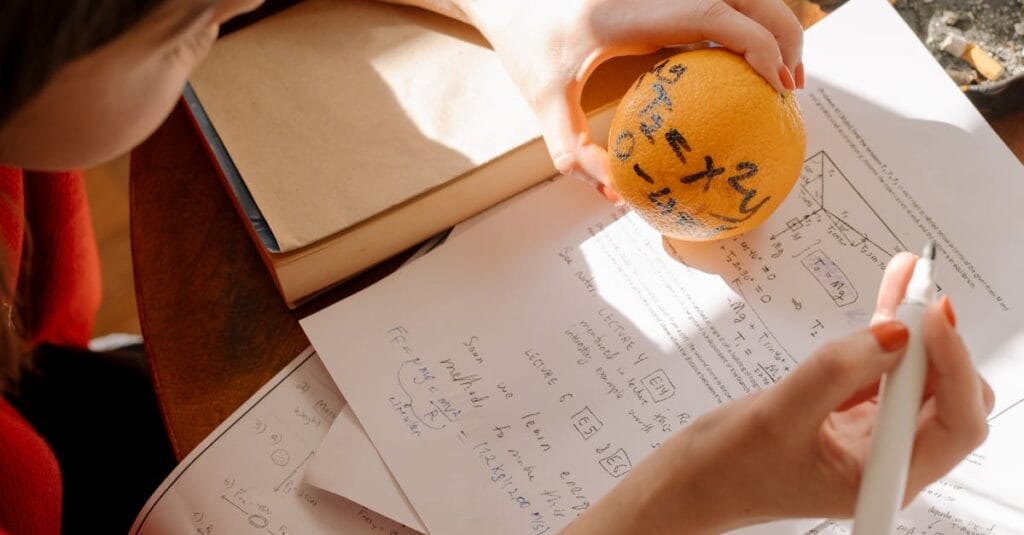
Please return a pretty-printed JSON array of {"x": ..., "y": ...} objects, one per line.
[
  {"x": 246, "y": 476},
  {"x": 512, "y": 376},
  {"x": 348, "y": 465}
]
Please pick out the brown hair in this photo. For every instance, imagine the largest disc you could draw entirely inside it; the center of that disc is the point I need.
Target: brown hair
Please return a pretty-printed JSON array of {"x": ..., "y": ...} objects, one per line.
[
  {"x": 37, "y": 37},
  {"x": 12, "y": 350}
]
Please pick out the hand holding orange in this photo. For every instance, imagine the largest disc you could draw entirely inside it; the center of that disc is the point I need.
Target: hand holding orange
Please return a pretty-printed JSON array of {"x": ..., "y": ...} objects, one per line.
[{"x": 703, "y": 148}]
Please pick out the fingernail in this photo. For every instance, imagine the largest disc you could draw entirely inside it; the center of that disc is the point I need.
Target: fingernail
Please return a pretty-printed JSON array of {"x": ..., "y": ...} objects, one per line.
[
  {"x": 800, "y": 76},
  {"x": 610, "y": 194},
  {"x": 947, "y": 309},
  {"x": 787, "y": 78},
  {"x": 891, "y": 335}
]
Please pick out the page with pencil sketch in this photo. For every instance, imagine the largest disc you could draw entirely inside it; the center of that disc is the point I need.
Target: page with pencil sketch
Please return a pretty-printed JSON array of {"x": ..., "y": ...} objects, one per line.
[
  {"x": 512, "y": 376},
  {"x": 246, "y": 476}
]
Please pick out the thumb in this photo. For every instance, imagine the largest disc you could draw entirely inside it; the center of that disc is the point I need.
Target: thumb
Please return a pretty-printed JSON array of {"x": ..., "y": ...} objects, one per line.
[
  {"x": 840, "y": 369},
  {"x": 567, "y": 135}
]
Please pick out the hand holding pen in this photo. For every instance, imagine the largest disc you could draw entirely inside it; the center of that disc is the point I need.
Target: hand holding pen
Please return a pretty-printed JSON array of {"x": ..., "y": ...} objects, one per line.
[
  {"x": 885, "y": 485},
  {"x": 799, "y": 448}
]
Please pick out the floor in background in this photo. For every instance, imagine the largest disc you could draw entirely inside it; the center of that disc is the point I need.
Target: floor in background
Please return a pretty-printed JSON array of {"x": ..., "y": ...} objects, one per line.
[{"x": 107, "y": 186}]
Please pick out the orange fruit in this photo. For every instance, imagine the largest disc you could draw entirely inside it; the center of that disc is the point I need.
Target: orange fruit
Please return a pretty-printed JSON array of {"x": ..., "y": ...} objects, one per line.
[{"x": 703, "y": 148}]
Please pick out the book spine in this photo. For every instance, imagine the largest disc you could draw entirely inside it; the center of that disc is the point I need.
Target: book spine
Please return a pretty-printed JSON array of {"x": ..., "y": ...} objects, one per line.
[{"x": 254, "y": 222}]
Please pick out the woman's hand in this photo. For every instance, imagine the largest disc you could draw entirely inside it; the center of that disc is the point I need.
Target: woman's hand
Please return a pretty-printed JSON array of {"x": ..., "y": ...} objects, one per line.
[
  {"x": 550, "y": 48},
  {"x": 798, "y": 448}
]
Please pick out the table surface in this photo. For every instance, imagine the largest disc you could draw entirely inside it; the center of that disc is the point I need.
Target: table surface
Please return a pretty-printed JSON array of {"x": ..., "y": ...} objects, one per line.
[{"x": 215, "y": 327}]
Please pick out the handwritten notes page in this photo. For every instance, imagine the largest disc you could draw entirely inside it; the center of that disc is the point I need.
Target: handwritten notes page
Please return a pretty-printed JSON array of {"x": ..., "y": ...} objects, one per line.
[
  {"x": 246, "y": 476},
  {"x": 513, "y": 376}
]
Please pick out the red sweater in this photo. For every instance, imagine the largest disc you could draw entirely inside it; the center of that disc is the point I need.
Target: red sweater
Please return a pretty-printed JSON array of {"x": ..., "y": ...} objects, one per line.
[{"x": 55, "y": 267}]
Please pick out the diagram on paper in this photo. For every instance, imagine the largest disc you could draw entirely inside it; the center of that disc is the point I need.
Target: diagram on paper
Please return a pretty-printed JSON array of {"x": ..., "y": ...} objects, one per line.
[
  {"x": 833, "y": 215},
  {"x": 821, "y": 255},
  {"x": 834, "y": 205},
  {"x": 829, "y": 229}
]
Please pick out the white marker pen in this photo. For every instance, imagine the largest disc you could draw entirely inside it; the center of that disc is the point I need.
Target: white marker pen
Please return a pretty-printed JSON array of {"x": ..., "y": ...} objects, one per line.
[{"x": 884, "y": 480}]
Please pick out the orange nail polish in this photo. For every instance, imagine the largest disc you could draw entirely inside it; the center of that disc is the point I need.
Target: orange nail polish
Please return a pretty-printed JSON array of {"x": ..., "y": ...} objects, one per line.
[
  {"x": 891, "y": 335},
  {"x": 947, "y": 309},
  {"x": 800, "y": 76},
  {"x": 787, "y": 78},
  {"x": 609, "y": 194}
]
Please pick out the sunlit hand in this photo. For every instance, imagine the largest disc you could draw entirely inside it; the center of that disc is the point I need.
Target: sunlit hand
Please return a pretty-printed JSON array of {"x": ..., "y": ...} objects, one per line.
[
  {"x": 797, "y": 449},
  {"x": 550, "y": 48}
]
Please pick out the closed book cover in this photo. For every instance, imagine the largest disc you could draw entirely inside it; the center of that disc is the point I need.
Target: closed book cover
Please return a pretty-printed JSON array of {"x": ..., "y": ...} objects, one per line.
[{"x": 351, "y": 130}]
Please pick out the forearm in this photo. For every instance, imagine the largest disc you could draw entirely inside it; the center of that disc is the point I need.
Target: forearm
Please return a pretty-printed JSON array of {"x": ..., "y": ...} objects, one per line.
[
  {"x": 657, "y": 496},
  {"x": 449, "y": 8}
]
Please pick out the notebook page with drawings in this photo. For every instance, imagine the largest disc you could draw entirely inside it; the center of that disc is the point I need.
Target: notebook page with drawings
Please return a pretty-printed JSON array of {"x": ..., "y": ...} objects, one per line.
[
  {"x": 246, "y": 476},
  {"x": 511, "y": 377}
]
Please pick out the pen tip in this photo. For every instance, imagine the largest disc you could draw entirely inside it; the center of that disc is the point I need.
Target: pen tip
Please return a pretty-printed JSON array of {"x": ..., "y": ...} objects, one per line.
[{"x": 929, "y": 251}]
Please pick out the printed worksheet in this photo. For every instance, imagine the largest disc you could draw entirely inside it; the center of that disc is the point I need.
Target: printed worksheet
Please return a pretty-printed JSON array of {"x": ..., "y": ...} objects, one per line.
[
  {"x": 510, "y": 378},
  {"x": 246, "y": 477}
]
